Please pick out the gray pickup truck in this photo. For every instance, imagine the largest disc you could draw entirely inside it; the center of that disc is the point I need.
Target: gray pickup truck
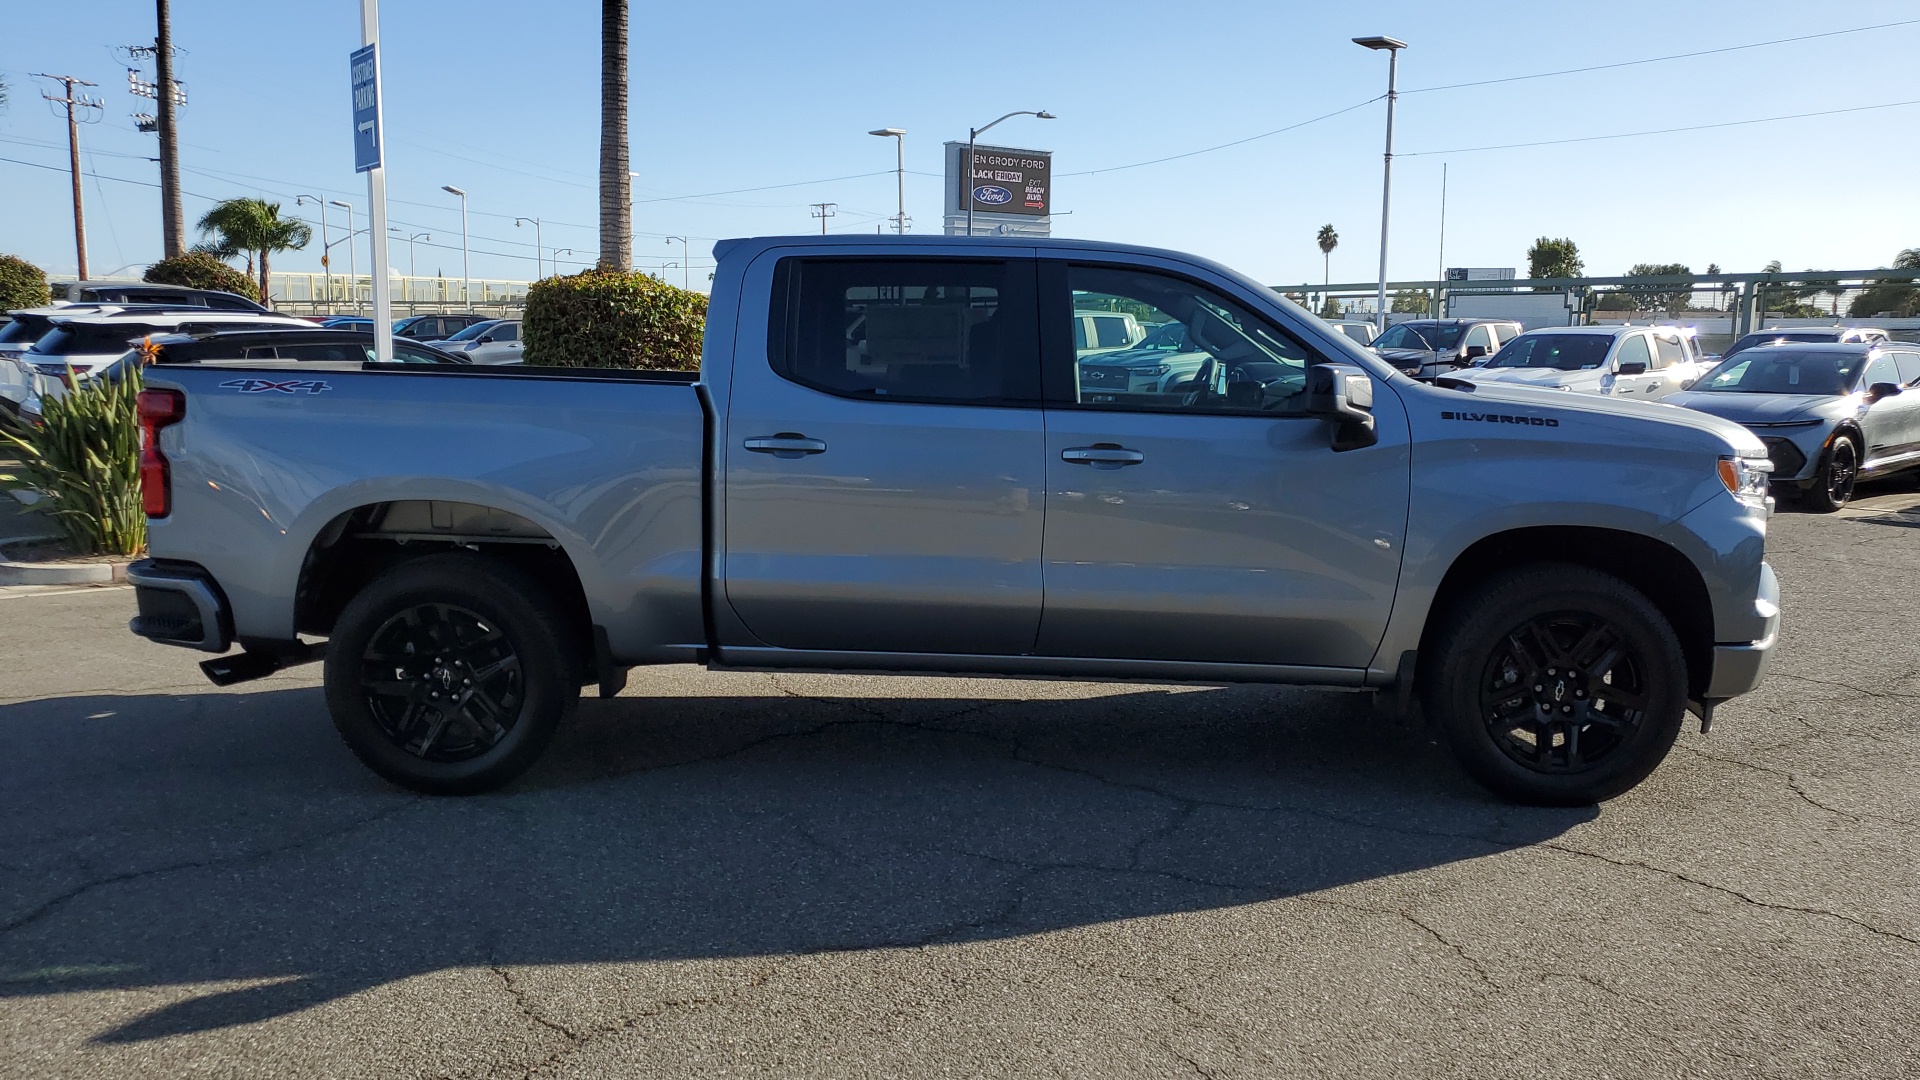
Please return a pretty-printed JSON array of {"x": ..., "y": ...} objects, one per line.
[{"x": 887, "y": 464}]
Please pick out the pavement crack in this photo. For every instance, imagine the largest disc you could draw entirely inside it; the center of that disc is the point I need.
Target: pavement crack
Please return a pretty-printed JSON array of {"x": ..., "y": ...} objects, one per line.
[
  {"x": 577, "y": 1041},
  {"x": 1794, "y": 786},
  {"x": 520, "y": 1002},
  {"x": 1422, "y": 925}
]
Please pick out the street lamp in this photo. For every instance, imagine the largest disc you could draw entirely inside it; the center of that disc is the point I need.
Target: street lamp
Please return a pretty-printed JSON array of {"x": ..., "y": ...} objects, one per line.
[
  {"x": 899, "y": 137},
  {"x": 663, "y": 270},
  {"x": 326, "y": 264},
  {"x": 975, "y": 133},
  {"x": 536, "y": 243},
  {"x": 353, "y": 270},
  {"x": 1392, "y": 47},
  {"x": 686, "y": 248},
  {"x": 466, "y": 263},
  {"x": 557, "y": 252},
  {"x": 410, "y": 240}
]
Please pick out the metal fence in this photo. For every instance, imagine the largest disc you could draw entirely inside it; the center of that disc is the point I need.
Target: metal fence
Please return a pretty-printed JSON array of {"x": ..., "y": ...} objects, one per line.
[{"x": 342, "y": 294}]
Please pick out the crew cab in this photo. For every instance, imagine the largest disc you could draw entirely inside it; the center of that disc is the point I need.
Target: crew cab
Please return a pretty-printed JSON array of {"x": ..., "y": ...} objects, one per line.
[
  {"x": 1642, "y": 362},
  {"x": 1429, "y": 348},
  {"x": 887, "y": 463}
]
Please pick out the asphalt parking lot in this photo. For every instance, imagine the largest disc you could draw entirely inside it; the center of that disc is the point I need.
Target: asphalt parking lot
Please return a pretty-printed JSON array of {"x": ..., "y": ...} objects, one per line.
[{"x": 838, "y": 876}]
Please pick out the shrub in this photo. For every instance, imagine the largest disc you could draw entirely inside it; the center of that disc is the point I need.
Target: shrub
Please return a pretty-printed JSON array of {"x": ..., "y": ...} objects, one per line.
[
  {"x": 22, "y": 284},
  {"x": 200, "y": 270},
  {"x": 84, "y": 460},
  {"x": 613, "y": 319}
]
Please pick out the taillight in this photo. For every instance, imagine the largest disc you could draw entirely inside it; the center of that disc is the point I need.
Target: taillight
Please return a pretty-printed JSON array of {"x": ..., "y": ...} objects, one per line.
[{"x": 157, "y": 409}]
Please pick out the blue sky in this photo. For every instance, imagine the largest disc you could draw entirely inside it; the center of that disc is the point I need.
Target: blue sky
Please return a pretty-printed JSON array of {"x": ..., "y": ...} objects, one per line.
[{"x": 501, "y": 99}]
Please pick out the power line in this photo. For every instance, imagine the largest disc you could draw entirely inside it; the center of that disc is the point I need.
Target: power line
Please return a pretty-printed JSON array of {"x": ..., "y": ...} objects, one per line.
[
  {"x": 1225, "y": 145},
  {"x": 1661, "y": 59},
  {"x": 1660, "y": 131}
]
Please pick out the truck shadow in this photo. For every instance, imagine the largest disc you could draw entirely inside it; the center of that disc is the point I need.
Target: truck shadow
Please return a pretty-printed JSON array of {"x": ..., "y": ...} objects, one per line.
[{"x": 212, "y": 837}]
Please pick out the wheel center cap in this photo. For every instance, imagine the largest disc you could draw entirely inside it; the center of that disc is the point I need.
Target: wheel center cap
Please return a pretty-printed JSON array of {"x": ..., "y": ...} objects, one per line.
[
  {"x": 446, "y": 679},
  {"x": 1560, "y": 690}
]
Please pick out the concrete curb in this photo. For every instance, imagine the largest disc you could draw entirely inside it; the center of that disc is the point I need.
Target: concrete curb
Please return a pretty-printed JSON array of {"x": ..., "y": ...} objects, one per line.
[{"x": 58, "y": 573}]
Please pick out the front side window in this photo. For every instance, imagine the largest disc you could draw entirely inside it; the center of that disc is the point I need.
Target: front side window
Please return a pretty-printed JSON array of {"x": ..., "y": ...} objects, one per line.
[
  {"x": 506, "y": 331},
  {"x": 956, "y": 331},
  {"x": 1634, "y": 351},
  {"x": 1881, "y": 369},
  {"x": 1481, "y": 336},
  {"x": 1909, "y": 364},
  {"x": 1204, "y": 352},
  {"x": 1668, "y": 352}
]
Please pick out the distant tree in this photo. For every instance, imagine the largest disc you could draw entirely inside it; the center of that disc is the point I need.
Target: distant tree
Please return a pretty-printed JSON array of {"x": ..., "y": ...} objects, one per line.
[
  {"x": 1328, "y": 240},
  {"x": 1410, "y": 301},
  {"x": 22, "y": 284},
  {"x": 253, "y": 225},
  {"x": 201, "y": 270},
  {"x": 1896, "y": 297},
  {"x": 1671, "y": 299},
  {"x": 1549, "y": 258},
  {"x": 1331, "y": 309},
  {"x": 1771, "y": 268},
  {"x": 1713, "y": 269}
]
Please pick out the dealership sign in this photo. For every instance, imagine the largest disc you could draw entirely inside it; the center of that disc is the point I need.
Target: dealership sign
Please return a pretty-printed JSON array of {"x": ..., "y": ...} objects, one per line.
[{"x": 1008, "y": 181}]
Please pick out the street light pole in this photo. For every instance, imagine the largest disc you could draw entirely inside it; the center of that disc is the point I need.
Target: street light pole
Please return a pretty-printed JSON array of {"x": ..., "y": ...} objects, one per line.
[
  {"x": 326, "y": 248},
  {"x": 537, "y": 265},
  {"x": 353, "y": 266},
  {"x": 411, "y": 264},
  {"x": 1392, "y": 46},
  {"x": 686, "y": 255},
  {"x": 899, "y": 137},
  {"x": 466, "y": 264},
  {"x": 972, "y": 135}
]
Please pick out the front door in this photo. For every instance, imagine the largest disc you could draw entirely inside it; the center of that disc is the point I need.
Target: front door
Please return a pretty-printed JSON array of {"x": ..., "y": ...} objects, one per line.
[
  {"x": 1194, "y": 512},
  {"x": 1633, "y": 349},
  {"x": 883, "y": 476}
]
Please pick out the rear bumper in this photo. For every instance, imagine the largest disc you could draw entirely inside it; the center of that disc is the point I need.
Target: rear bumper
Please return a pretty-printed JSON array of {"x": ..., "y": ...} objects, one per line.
[
  {"x": 180, "y": 604},
  {"x": 1737, "y": 667}
]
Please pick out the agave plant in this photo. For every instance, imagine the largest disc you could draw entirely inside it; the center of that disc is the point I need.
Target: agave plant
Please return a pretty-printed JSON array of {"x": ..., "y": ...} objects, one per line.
[{"x": 84, "y": 461}]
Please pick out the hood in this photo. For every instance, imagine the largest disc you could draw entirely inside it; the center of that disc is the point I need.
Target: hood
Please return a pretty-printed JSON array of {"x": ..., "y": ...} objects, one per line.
[
  {"x": 1764, "y": 408},
  {"x": 1679, "y": 425},
  {"x": 1542, "y": 377},
  {"x": 1408, "y": 359}
]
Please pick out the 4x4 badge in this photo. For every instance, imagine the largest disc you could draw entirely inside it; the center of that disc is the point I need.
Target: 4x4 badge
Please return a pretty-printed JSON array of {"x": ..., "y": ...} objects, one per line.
[{"x": 262, "y": 386}]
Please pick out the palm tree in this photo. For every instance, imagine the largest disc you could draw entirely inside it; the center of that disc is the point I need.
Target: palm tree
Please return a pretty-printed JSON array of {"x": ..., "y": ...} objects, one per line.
[
  {"x": 616, "y": 184},
  {"x": 253, "y": 226},
  {"x": 1328, "y": 240}
]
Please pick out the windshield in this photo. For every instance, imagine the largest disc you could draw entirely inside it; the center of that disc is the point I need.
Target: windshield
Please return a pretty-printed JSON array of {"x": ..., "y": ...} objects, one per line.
[
  {"x": 1167, "y": 337},
  {"x": 1433, "y": 337},
  {"x": 79, "y": 338},
  {"x": 1785, "y": 371},
  {"x": 1768, "y": 337},
  {"x": 475, "y": 330},
  {"x": 1564, "y": 352}
]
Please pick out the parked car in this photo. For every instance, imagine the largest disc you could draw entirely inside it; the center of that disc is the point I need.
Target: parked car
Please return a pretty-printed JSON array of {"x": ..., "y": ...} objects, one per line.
[
  {"x": 123, "y": 292},
  {"x": 347, "y": 322},
  {"x": 1808, "y": 335},
  {"x": 495, "y": 342},
  {"x": 435, "y": 327},
  {"x": 1557, "y": 576},
  {"x": 464, "y": 336},
  {"x": 28, "y": 325},
  {"x": 1829, "y": 414},
  {"x": 1362, "y": 333},
  {"x": 79, "y": 345},
  {"x": 1162, "y": 363},
  {"x": 1427, "y": 348},
  {"x": 1097, "y": 332},
  {"x": 1640, "y": 362}
]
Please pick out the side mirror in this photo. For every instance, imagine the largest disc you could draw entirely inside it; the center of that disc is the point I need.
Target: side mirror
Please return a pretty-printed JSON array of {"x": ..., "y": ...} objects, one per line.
[
  {"x": 1474, "y": 352},
  {"x": 1343, "y": 394},
  {"x": 485, "y": 339},
  {"x": 1631, "y": 367},
  {"x": 1881, "y": 390}
]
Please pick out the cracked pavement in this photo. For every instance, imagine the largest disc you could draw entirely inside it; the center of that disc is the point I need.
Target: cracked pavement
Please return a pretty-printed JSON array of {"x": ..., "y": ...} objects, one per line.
[{"x": 806, "y": 875}]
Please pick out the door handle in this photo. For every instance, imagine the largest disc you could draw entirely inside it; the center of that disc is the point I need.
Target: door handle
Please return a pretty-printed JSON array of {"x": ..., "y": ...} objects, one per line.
[
  {"x": 1102, "y": 455},
  {"x": 787, "y": 444}
]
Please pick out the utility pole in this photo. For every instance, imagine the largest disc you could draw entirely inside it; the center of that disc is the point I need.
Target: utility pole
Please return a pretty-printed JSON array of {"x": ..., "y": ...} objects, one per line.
[
  {"x": 72, "y": 102},
  {"x": 821, "y": 210},
  {"x": 173, "y": 226}
]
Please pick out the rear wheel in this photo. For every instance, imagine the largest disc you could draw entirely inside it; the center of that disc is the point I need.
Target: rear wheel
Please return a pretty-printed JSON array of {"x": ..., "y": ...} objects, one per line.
[
  {"x": 1558, "y": 685},
  {"x": 1839, "y": 470},
  {"x": 449, "y": 674}
]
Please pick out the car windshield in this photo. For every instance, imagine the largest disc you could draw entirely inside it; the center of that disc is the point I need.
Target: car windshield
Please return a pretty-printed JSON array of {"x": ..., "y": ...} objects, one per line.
[
  {"x": 1433, "y": 337},
  {"x": 475, "y": 330},
  {"x": 80, "y": 338},
  {"x": 1564, "y": 352},
  {"x": 1785, "y": 371},
  {"x": 1768, "y": 337},
  {"x": 1167, "y": 336}
]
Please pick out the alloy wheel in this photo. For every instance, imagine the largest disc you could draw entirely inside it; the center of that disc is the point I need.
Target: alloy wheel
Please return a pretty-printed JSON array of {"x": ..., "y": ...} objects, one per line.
[
  {"x": 443, "y": 683},
  {"x": 1561, "y": 693}
]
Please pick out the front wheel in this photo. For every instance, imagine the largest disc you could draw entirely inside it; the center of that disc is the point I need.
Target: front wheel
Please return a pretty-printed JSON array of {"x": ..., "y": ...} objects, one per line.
[
  {"x": 449, "y": 674},
  {"x": 1833, "y": 483},
  {"x": 1557, "y": 685}
]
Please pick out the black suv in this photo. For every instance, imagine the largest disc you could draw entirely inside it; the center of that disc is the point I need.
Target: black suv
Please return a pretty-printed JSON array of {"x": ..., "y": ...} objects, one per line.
[
  {"x": 121, "y": 292},
  {"x": 1426, "y": 348},
  {"x": 292, "y": 343}
]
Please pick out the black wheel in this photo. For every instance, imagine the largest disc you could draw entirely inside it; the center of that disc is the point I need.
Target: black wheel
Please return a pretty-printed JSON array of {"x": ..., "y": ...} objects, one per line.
[
  {"x": 1557, "y": 685},
  {"x": 449, "y": 674},
  {"x": 1833, "y": 485}
]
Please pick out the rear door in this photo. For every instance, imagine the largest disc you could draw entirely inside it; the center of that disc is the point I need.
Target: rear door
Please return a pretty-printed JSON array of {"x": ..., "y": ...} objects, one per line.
[
  {"x": 1210, "y": 521},
  {"x": 1892, "y": 424},
  {"x": 884, "y": 489}
]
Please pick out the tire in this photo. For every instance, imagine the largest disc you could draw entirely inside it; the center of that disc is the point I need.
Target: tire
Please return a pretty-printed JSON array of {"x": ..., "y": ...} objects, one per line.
[
  {"x": 458, "y": 629},
  {"x": 1833, "y": 483},
  {"x": 1550, "y": 740}
]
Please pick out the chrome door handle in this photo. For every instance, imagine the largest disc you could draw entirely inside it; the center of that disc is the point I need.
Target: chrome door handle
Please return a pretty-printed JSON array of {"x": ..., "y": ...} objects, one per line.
[
  {"x": 1102, "y": 455},
  {"x": 787, "y": 444}
]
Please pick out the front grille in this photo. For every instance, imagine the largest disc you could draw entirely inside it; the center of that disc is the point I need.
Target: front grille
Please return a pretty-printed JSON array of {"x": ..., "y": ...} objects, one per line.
[
  {"x": 1787, "y": 458},
  {"x": 1104, "y": 377}
]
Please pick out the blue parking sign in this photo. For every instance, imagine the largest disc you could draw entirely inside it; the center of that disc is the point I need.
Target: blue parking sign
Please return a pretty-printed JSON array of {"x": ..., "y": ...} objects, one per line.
[{"x": 366, "y": 109}]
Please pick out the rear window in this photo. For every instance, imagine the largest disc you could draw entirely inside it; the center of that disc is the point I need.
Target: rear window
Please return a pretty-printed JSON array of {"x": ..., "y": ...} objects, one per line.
[
  {"x": 25, "y": 328},
  {"x": 1566, "y": 352}
]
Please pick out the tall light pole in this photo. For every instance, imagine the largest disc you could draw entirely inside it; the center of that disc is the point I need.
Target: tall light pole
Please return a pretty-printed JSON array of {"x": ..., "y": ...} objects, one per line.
[
  {"x": 686, "y": 255},
  {"x": 326, "y": 246},
  {"x": 899, "y": 137},
  {"x": 466, "y": 264},
  {"x": 1392, "y": 47},
  {"x": 410, "y": 239},
  {"x": 353, "y": 267},
  {"x": 557, "y": 252},
  {"x": 973, "y": 134},
  {"x": 663, "y": 270},
  {"x": 537, "y": 264}
]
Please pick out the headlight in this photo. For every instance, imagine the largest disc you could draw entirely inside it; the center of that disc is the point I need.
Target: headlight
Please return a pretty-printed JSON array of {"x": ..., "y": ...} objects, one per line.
[
  {"x": 1153, "y": 372},
  {"x": 1746, "y": 478}
]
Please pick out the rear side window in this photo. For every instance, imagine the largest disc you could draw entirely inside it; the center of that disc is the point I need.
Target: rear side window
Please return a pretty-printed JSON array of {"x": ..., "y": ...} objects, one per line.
[
  {"x": 351, "y": 352},
  {"x": 960, "y": 331}
]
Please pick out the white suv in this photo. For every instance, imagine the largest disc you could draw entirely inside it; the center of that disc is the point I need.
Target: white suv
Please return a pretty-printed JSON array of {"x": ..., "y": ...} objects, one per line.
[
  {"x": 86, "y": 344},
  {"x": 1641, "y": 362}
]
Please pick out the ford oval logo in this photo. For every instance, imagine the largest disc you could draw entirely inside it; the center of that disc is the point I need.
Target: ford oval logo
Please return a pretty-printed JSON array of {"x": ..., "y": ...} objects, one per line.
[{"x": 992, "y": 195}]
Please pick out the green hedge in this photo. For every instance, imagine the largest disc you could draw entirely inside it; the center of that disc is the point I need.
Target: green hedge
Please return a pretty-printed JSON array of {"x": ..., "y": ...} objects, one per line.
[
  {"x": 613, "y": 319},
  {"x": 22, "y": 284},
  {"x": 199, "y": 270}
]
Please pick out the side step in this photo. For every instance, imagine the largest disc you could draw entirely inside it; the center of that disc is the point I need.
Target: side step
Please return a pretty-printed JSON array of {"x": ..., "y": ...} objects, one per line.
[{"x": 259, "y": 663}]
